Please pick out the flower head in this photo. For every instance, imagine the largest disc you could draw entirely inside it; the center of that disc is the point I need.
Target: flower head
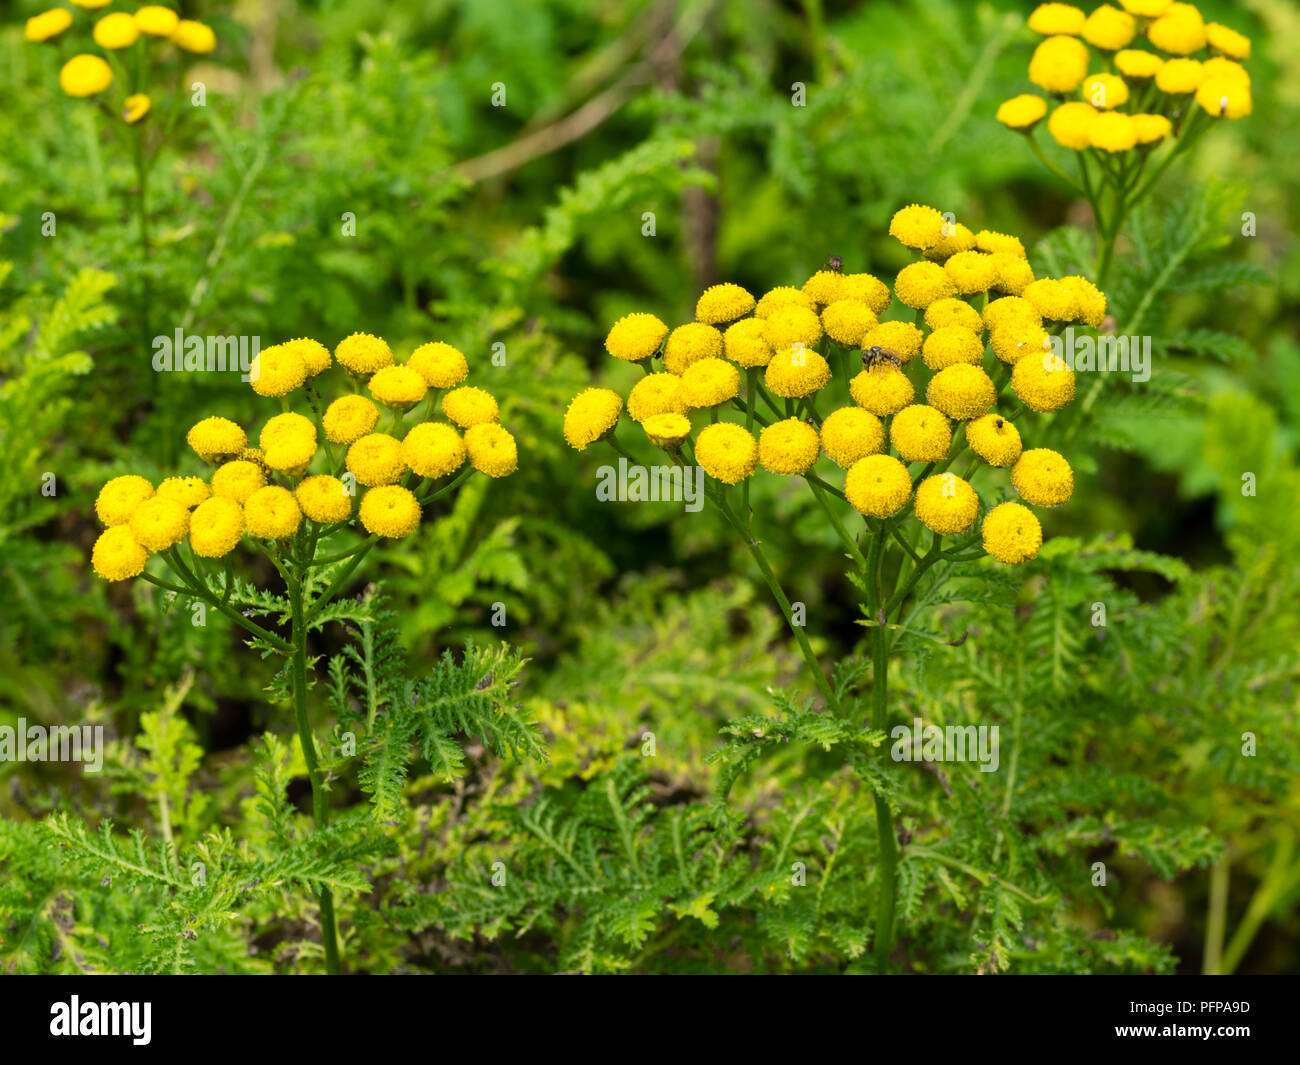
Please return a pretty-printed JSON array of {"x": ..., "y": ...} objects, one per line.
[
  {"x": 666, "y": 430},
  {"x": 878, "y": 486},
  {"x": 196, "y": 37},
  {"x": 972, "y": 271},
  {"x": 709, "y": 382},
  {"x": 781, "y": 296},
  {"x": 315, "y": 355},
  {"x": 951, "y": 344},
  {"x": 1014, "y": 272},
  {"x": 1113, "y": 132},
  {"x": 1151, "y": 129},
  {"x": 796, "y": 372},
  {"x": 491, "y": 449},
  {"x": 363, "y": 353},
  {"x": 946, "y": 504},
  {"x": 157, "y": 21},
  {"x": 121, "y": 497},
  {"x": 592, "y": 414},
  {"x": 919, "y": 284},
  {"x": 48, "y": 25},
  {"x": 189, "y": 492},
  {"x": 391, "y": 511},
  {"x": 277, "y": 371},
  {"x": 902, "y": 338},
  {"x": 792, "y": 325},
  {"x": 956, "y": 237},
  {"x": 117, "y": 556},
  {"x": 216, "y": 439},
  {"x": 1227, "y": 41},
  {"x": 727, "y": 452},
  {"x": 723, "y": 303},
  {"x": 159, "y": 523},
  {"x": 1180, "y": 76},
  {"x": 1022, "y": 112},
  {"x": 1052, "y": 299},
  {"x": 1059, "y": 64},
  {"x": 994, "y": 439},
  {"x": 288, "y": 441},
  {"x": 272, "y": 513},
  {"x": 216, "y": 527},
  {"x": 85, "y": 75},
  {"x": 851, "y": 433},
  {"x": 376, "y": 459},
  {"x": 398, "y": 387},
  {"x": 744, "y": 344},
  {"x": 324, "y": 499},
  {"x": 952, "y": 311},
  {"x": 916, "y": 226},
  {"x": 988, "y": 240},
  {"x": 1104, "y": 91},
  {"x": 882, "y": 389},
  {"x": 961, "y": 391},
  {"x": 237, "y": 480},
  {"x": 1000, "y": 311},
  {"x": 349, "y": 418},
  {"x": 1224, "y": 97},
  {"x": 1071, "y": 125},
  {"x": 1109, "y": 29},
  {"x": 1090, "y": 299},
  {"x": 1043, "y": 384},
  {"x": 920, "y": 434},
  {"x": 1138, "y": 65},
  {"x": 1011, "y": 533},
  {"x": 657, "y": 393},
  {"x": 635, "y": 337},
  {"x": 690, "y": 343},
  {"x": 441, "y": 365},
  {"x": 1051, "y": 19},
  {"x": 116, "y": 31},
  {"x": 825, "y": 286},
  {"x": 432, "y": 449},
  {"x": 1180, "y": 30},
  {"x": 1043, "y": 477},
  {"x": 788, "y": 447},
  {"x": 869, "y": 289},
  {"x": 468, "y": 406},
  {"x": 1018, "y": 337},
  {"x": 847, "y": 321}
]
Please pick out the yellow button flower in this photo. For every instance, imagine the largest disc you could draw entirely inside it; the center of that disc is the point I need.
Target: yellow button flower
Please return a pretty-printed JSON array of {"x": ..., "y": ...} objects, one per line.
[
  {"x": 491, "y": 449},
  {"x": 961, "y": 391},
  {"x": 189, "y": 492},
  {"x": 994, "y": 439},
  {"x": 869, "y": 289},
  {"x": 349, "y": 418},
  {"x": 953, "y": 311},
  {"x": 825, "y": 286},
  {"x": 376, "y": 459},
  {"x": 159, "y": 523},
  {"x": 467, "y": 406},
  {"x": 666, "y": 430},
  {"x": 1071, "y": 125},
  {"x": 1227, "y": 41},
  {"x": 727, "y": 452},
  {"x": 390, "y": 511},
  {"x": 1017, "y": 338},
  {"x": 788, "y": 326},
  {"x": 657, "y": 393},
  {"x": 47, "y": 25},
  {"x": 1138, "y": 65},
  {"x": 882, "y": 389},
  {"x": 847, "y": 321},
  {"x": 121, "y": 497},
  {"x": 398, "y": 387},
  {"x": 592, "y": 415},
  {"x": 992, "y": 242},
  {"x": 1150, "y": 129},
  {"x": 744, "y": 344},
  {"x": 272, "y": 513},
  {"x": 1009, "y": 308},
  {"x": 956, "y": 237},
  {"x": 1014, "y": 272},
  {"x": 288, "y": 441},
  {"x": 1091, "y": 300},
  {"x": 194, "y": 37},
  {"x": 1052, "y": 299},
  {"x": 723, "y": 303},
  {"x": 238, "y": 480},
  {"x": 135, "y": 108},
  {"x": 1059, "y": 64},
  {"x": 917, "y": 226},
  {"x": 85, "y": 75},
  {"x": 117, "y": 556},
  {"x": 920, "y": 434},
  {"x": 276, "y": 371},
  {"x": 1113, "y": 132},
  {"x": 1043, "y": 477},
  {"x": 1146, "y": 8},
  {"x": 1180, "y": 76},
  {"x": 1179, "y": 31},
  {"x": 690, "y": 343},
  {"x": 216, "y": 439},
  {"x": 1104, "y": 91},
  {"x": 433, "y": 449},
  {"x": 1043, "y": 383},
  {"x": 157, "y": 21},
  {"x": 1022, "y": 112},
  {"x": 1224, "y": 97},
  {"x": 324, "y": 499},
  {"x": 1109, "y": 29},
  {"x": 971, "y": 271},
  {"x": 708, "y": 383},
  {"x": 902, "y": 338},
  {"x": 363, "y": 353},
  {"x": 441, "y": 365},
  {"x": 1051, "y": 19},
  {"x": 116, "y": 31},
  {"x": 919, "y": 284},
  {"x": 635, "y": 337},
  {"x": 315, "y": 355},
  {"x": 781, "y": 296},
  {"x": 946, "y": 504},
  {"x": 796, "y": 372},
  {"x": 951, "y": 344},
  {"x": 852, "y": 433},
  {"x": 216, "y": 527},
  {"x": 878, "y": 486},
  {"x": 788, "y": 448},
  {"x": 1011, "y": 533}
]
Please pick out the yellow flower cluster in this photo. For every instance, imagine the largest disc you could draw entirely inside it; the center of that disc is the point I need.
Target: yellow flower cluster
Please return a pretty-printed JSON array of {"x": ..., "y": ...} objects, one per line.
[
  {"x": 1147, "y": 100},
  {"x": 87, "y": 74},
  {"x": 270, "y": 492},
  {"x": 977, "y": 296}
]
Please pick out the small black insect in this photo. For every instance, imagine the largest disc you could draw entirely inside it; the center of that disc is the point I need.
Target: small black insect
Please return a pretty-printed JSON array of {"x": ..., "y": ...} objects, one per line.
[
  {"x": 835, "y": 264},
  {"x": 875, "y": 355},
  {"x": 998, "y": 422}
]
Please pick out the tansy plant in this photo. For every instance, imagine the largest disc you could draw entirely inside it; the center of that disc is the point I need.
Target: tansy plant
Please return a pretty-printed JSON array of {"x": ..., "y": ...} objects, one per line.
[
  {"x": 1162, "y": 77},
  {"x": 291, "y": 500},
  {"x": 746, "y": 389},
  {"x": 131, "y": 49}
]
